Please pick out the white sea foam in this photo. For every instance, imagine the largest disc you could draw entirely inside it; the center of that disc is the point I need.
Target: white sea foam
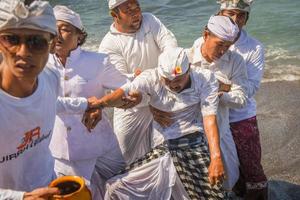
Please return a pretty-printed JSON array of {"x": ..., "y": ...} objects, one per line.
[{"x": 281, "y": 65}]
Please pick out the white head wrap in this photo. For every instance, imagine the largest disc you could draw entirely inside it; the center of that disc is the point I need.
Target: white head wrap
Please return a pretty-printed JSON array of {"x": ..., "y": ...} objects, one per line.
[
  {"x": 114, "y": 3},
  {"x": 37, "y": 16},
  {"x": 63, "y": 13},
  {"x": 243, "y": 5},
  {"x": 173, "y": 62},
  {"x": 223, "y": 27}
]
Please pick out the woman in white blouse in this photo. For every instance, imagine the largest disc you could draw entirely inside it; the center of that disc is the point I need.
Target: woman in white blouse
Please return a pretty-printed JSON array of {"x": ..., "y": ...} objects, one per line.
[{"x": 83, "y": 74}]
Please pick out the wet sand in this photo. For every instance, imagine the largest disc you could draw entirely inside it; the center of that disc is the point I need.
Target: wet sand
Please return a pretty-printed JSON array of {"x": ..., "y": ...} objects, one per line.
[{"x": 279, "y": 122}]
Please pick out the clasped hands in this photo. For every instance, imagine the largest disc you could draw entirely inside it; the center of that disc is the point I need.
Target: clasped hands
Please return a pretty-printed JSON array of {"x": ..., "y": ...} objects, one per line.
[{"x": 93, "y": 113}]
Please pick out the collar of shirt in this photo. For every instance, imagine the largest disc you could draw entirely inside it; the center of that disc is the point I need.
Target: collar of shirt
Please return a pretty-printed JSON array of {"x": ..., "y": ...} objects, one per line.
[
  {"x": 197, "y": 56},
  {"x": 74, "y": 55},
  {"x": 242, "y": 39}
]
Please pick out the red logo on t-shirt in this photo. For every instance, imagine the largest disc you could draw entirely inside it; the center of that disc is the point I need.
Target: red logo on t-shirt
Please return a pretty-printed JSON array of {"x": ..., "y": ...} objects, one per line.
[{"x": 29, "y": 137}]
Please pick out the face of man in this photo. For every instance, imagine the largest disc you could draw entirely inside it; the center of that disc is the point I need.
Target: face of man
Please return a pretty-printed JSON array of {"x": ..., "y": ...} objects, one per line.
[
  {"x": 129, "y": 16},
  {"x": 213, "y": 47},
  {"x": 238, "y": 16},
  {"x": 179, "y": 83},
  {"x": 68, "y": 38},
  {"x": 25, "y": 51}
]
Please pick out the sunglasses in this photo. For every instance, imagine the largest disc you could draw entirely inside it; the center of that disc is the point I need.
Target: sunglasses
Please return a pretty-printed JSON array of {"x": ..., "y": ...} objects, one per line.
[{"x": 35, "y": 43}]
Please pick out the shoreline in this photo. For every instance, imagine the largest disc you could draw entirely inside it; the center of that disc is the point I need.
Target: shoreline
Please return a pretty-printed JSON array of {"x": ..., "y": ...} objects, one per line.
[{"x": 278, "y": 114}]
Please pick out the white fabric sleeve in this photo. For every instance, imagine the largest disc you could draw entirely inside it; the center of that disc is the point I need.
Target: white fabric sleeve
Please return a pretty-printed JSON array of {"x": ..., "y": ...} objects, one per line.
[
  {"x": 11, "y": 194},
  {"x": 111, "y": 47},
  {"x": 143, "y": 83},
  {"x": 164, "y": 37},
  {"x": 236, "y": 97},
  {"x": 112, "y": 78},
  {"x": 69, "y": 105},
  {"x": 209, "y": 95},
  {"x": 255, "y": 70}
]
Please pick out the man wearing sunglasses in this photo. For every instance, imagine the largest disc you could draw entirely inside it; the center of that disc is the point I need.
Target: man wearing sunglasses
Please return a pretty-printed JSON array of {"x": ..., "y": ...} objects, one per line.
[
  {"x": 133, "y": 43},
  {"x": 28, "y": 95}
]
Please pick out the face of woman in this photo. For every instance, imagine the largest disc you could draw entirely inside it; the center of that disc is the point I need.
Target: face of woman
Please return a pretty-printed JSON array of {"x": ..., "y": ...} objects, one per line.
[{"x": 68, "y": 38}]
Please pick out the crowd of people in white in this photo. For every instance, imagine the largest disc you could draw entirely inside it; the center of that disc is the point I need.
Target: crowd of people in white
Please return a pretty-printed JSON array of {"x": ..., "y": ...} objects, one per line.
[{"x": 184, "y": 121}]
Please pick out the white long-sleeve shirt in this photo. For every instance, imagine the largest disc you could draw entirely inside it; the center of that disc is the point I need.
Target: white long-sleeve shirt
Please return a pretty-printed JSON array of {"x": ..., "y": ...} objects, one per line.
[
  {"x": 26, "y": 126},
  {"x": 229, "y": 69},
  {"x": 85, "y": 74},
  {"x": 188, "y": 106},
  {"x": 129, "y": 52},
  {"x": 253, "y": 53}
]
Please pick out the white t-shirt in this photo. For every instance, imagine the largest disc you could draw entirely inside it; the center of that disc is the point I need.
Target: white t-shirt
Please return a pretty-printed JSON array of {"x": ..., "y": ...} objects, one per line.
[
  {"x": 26, "y": 126},
  {"x": 253, "y": 53},
  {"x": 188, "y": 106},
  {"x": 128, "y": 52}
]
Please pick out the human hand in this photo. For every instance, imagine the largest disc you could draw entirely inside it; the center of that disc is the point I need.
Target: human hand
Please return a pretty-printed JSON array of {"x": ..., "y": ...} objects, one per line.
[
  {"x": 224, "y": 87},
  {"x": 133, "y": 99},
  {"x": 91, "y": 118},
  {"x": 137, "y": 72},
  {"x": 216, "y": 173},
  {"x": 41, "y": 193},
  {"x": 163, "y": 118},
  {"x": 93, "y": 102}
]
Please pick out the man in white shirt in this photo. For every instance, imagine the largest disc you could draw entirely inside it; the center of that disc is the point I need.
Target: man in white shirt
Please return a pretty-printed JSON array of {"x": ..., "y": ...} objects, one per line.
[
  {"x": 211, "y": 52},
  {"x": 253, "y": 181},
  {"x": 191, "y": 95},
  {"x": 84, "y": 74},
  {"x": 28, "y": 95},
  {"x": 133, "y": 43}
]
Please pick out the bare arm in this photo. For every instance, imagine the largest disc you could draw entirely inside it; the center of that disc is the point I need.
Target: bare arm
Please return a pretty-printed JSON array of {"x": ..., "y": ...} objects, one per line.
[{"x": 216, "y": 168}]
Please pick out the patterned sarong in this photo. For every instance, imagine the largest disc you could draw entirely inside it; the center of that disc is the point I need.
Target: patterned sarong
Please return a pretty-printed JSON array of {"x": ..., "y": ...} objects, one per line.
[
  {"x": 191, "y": 159},
  {"x": 246, "y": 137}
]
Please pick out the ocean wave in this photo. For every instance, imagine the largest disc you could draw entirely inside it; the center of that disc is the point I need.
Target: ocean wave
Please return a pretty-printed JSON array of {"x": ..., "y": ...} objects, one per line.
[{"x": 281, "y": 65}]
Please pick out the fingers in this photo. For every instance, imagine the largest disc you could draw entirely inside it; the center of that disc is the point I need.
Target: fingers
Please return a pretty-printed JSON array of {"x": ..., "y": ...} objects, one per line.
[
  {"x": 91, "y": 118},
  {"x": 160, "y": 112},
  {"x": 216, "y": 172},
  {"x": 41, "y": 193},
  {"x": 163, "y": 121}
]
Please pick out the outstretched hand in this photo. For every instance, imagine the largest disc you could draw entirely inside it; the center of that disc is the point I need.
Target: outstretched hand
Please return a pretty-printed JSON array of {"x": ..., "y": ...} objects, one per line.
[{"x": 41, "y": 193}]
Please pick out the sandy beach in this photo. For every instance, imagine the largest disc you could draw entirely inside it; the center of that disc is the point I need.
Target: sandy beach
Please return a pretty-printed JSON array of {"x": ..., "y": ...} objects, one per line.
[{"x": 279, "y": 117}]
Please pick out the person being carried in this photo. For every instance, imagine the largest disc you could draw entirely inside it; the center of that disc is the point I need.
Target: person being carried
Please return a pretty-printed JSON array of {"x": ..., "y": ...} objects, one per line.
[{"x": 191, "y": 94}]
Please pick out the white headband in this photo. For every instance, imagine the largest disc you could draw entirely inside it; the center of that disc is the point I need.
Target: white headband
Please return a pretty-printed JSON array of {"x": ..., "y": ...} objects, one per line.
[
  {"x": 173, "y": 62},
  {"x": 37, "y": 16},
  {"x": 223, "y": 27},
  {"x": 243, "y": 5},
  {"x": 63, "y": 13},
  {"x": 114, "y": 3}
]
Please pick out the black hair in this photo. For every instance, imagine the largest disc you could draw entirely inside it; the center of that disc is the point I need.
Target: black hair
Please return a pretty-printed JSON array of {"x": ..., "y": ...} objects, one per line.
[
  {"x": 28, "y": 2},
  {"x": 84, "y": 35}
]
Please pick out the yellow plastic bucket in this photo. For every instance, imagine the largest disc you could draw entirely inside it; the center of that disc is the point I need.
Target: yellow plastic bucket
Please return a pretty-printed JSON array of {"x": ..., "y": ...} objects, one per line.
[{"x": 71, "y": 188}]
